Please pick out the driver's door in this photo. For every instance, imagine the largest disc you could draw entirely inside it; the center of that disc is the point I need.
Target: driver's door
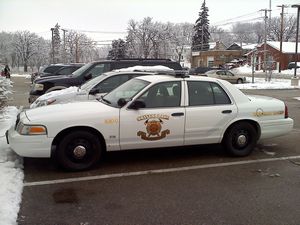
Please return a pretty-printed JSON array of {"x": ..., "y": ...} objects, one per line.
[{"x": 159, "y": 124}]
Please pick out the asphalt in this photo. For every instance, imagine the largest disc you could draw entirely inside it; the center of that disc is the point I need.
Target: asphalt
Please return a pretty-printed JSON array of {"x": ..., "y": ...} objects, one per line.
[{"x": 194, "y": 185}]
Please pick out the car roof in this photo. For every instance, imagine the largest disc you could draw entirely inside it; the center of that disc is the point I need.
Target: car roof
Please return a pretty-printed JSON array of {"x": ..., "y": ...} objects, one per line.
[{"x": 169, "y": 77}]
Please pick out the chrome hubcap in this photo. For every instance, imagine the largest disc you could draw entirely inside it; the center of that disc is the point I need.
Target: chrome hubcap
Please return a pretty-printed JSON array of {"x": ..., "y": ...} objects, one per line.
[
  {"x": 79, "y": 152},
  {"x": 241, "y": 140}
]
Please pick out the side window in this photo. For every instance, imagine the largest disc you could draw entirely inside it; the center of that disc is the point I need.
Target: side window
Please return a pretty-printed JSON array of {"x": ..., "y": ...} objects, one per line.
[
  {"x": 111, "y": 83},
  {"x": 166, "y": 94},
  {"x": 99, "y": 69},
  {"x": 52, "y": 69},
  {"x": 200, "y": 93},
  {"x": 220, "y": 95},
  {"x": 229, "y": 73},
  {"x": 65, "y": 71}
]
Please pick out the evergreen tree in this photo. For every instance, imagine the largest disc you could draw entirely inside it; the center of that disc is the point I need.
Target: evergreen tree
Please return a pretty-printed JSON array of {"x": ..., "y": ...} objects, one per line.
[
  {"x": 201, "y": 31},
  {"x": 118, "y": 50}
]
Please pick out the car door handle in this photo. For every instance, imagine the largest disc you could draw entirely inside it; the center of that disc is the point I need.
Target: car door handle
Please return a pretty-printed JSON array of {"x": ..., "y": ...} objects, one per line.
[
  {"x": 177, "y": 114},
  {"x": 227, "y": 111}
]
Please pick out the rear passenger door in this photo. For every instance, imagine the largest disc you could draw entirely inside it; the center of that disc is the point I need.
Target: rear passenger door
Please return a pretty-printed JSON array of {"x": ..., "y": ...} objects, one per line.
[{"x": 209, "y": 110}]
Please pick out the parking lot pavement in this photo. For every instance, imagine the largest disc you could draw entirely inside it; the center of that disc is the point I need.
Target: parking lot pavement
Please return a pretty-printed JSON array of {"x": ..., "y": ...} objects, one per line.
[{"x": 194, "y": 185}]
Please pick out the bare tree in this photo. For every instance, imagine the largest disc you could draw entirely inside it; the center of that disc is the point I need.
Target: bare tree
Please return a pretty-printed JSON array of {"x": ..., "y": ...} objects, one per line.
[{"x": 24, "y": 43}]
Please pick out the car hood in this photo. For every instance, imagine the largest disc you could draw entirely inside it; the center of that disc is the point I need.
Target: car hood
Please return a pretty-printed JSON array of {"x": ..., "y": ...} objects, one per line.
[
  {"x": 71, "y": 91},
  {"x": 74, "y": 111},
  {"x": 52, "y": 78}
]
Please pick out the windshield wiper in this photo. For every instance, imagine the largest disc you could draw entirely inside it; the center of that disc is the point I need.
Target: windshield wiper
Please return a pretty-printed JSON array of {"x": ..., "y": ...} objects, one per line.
[{"x": 105, "y": 100}]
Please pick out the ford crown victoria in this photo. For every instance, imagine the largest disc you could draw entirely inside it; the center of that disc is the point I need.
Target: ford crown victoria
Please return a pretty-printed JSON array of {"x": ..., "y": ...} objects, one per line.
[{"x": 149, "y": 112}]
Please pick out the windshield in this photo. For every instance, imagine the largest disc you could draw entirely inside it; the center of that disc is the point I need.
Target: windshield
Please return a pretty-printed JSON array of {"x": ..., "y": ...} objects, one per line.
[
  {"x": 81, "y": 70},
  {"x": 93, "y": 82},
  {"x": 126, "y": 91}
]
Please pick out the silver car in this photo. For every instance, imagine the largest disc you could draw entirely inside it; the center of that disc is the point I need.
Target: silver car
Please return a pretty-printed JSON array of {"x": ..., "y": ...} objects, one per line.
[{"x": 226, "y": 75}]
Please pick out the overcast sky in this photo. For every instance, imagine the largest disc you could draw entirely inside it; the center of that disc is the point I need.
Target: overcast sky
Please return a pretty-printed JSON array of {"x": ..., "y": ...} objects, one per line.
[{"x": 113, "y": 15}]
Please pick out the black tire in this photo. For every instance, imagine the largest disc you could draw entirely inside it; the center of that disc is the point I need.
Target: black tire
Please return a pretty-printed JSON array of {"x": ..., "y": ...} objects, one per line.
[
  {"x": 240, "y": 139},
  {"x": 78, "y": 150},
  {"x": 239, "y": 81}
]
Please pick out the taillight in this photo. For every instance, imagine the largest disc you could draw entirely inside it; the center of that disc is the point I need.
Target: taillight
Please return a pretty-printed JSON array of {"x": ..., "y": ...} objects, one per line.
[{"x": 286, "y": 112}]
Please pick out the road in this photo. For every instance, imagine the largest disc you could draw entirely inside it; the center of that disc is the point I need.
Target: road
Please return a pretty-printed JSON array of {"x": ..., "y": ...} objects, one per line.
[{"x": 194, "y": 185}]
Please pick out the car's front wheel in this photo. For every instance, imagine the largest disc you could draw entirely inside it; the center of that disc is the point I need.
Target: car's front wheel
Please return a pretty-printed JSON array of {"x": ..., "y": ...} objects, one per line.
[
  {"x": 240, "y": 139},
  {"x": 79, "y": 150}
]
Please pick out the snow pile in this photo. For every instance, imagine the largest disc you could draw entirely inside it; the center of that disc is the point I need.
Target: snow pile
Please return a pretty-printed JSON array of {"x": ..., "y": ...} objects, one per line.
[
  {"x": 11, "y": 172},
  {"x": 5, "y": 91},
  {"x": 246, "y": 69},
  {"x": 261, "y": 83}
]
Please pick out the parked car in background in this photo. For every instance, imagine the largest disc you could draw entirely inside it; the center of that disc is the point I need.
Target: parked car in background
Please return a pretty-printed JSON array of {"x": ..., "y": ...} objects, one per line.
[
  {"x": 149, "y": 112},
  {"x": 199, "y": 70},
  {"x": 55, "y": 70},
  {"x": 97, "y": 86},
  {"x": 91, "y": 70},
  {"x": 292, "y": 65},
  {"x": 226, "y": 75}
]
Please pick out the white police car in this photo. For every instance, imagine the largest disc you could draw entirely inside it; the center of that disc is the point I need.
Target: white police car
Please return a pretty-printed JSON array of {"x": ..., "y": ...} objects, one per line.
[{"x": 149, "y": 112}]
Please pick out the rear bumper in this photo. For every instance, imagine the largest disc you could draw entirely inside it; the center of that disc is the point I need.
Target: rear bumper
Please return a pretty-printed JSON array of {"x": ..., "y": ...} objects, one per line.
[{"x": 275, "y": 128}]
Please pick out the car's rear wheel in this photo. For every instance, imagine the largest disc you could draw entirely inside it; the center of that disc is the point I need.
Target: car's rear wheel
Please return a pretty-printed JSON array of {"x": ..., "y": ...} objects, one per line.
[
  {"x": 79, "y": 150},
  {"x": 239, "y": 81},
  {"x": 240, "y": 139}
]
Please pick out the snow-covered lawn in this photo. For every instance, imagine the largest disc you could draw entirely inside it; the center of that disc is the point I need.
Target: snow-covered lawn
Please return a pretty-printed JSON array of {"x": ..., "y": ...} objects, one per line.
[
  {"x": 260, "y": 83},
  {"x": 11, "y": 173}
]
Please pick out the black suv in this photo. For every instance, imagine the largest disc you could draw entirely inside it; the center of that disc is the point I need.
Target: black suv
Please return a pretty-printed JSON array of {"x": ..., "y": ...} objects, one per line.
[
  {"x": 91, "y": 70},
  {"x": 56, "y": 69}
]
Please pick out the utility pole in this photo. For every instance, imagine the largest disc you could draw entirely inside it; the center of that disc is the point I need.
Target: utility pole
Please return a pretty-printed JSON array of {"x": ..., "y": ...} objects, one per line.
[
  {"x": 64, "y": 45},
  {"x": 265, "y": 42},
  {"x": 281, "y": 33},
  {"x": 296, "y": 50},
  {"x": 52, "y": 43}
]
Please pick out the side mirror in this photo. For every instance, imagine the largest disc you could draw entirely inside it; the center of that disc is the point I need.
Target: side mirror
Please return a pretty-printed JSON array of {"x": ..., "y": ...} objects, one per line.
[
  {"x": 94, "y": 91},
  {"x": 137, "y": 104},
  {"x": 122, "y": 102},
  {"x": 88, "y": 76}
]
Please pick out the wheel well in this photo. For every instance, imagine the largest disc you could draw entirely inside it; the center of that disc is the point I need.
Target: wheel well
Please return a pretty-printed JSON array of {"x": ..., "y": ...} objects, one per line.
[
  {"x": 63, "y": 133},
  {"x": 252, "y": 122}
]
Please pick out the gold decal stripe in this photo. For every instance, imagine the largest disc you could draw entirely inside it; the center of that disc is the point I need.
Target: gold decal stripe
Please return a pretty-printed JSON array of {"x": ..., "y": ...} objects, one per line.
[{"x": 268, "y": 113}]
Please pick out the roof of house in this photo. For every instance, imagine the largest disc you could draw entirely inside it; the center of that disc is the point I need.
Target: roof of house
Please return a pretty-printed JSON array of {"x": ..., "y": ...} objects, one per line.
[{"x": 287, "y": 47}]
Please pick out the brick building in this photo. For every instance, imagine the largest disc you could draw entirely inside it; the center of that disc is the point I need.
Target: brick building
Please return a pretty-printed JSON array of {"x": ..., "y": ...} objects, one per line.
[
  {"x": 274, "y": 55},
  {"x": 218, "y": 54}
]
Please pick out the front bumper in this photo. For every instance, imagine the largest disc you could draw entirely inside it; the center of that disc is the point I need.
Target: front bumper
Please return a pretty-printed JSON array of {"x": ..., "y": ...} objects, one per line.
[{"x": 36, "y": 146}]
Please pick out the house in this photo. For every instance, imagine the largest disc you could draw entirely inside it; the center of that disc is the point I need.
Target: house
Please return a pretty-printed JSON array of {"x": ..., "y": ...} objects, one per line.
[
  {"x": 274, "y": 55},
  {"x": 218, "y": 54},
  {"x": 184, "y": 52}
]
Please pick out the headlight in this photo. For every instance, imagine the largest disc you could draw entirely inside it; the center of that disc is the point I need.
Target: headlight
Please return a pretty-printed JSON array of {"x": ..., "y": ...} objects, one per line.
[
  {"x": 31, "y": 129},
  {"x": 38, "y": 87}
]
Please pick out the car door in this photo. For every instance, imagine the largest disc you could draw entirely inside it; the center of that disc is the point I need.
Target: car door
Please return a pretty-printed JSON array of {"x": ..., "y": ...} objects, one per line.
[
  {"x": 159, "y": 124},
  {"x": 209, "y": 110},
  {"x": 231, "y": 78}
]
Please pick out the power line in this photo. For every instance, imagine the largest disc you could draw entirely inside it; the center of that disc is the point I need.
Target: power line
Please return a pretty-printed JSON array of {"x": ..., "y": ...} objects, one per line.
[
  {"x": 97, "y": 31},
  {"x": 234, "y": 18}
]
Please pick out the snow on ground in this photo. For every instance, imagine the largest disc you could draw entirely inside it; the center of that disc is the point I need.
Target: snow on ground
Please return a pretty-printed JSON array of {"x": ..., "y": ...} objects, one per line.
[
  {"x": 27, "y": 76},
  {"x": 246, "y": 69},
  {"x": 11, "y": 172},
  {"x": 260, "y": 83}
]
